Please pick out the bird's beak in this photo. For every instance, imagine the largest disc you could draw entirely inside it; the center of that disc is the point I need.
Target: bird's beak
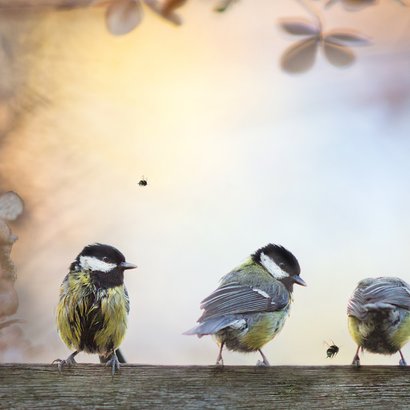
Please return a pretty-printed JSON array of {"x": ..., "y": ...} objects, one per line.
[
  {"x": 126, "y": 265},
  {"x": 297, "y": 279}
]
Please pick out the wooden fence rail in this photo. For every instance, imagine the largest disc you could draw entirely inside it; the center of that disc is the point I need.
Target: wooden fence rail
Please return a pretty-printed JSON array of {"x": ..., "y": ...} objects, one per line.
[{"x": 197, "y": 387}]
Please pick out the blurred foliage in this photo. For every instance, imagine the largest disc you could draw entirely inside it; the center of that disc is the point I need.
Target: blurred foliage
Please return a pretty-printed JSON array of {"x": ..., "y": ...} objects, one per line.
[
  {"x": 224, "y": 5},
  {"x": 123, "y": 16}
]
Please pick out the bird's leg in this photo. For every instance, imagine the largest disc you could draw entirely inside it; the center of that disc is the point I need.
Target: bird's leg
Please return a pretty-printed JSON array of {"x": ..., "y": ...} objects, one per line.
[
  {"x": 219, "y": 359},
  {"x": 402, "y": 361},
  {"x": 67, "y": 362},
  {"x": 264, "y": 362},
  {"x": 356, "y": 358},
  {"x": 114, "y": 363}
]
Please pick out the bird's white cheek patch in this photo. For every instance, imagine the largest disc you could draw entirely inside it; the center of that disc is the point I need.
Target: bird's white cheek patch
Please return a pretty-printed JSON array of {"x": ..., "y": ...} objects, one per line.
[
  {"x": 272, "y": 268},
  {"x": 92, "y": 263}
]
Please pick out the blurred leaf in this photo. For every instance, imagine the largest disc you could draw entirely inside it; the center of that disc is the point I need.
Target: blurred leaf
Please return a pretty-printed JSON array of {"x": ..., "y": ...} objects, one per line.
[
  {"x": 224, "y": 5},
  {"x": 170, "y": 5},
  {"x": 122, "y": 16},
  {"x": 300, "y": 27},
  {"x": 350, "y": 38},
  {"x": 300, "y": 56},
  {"x": 353, "y": 5},
  {"x": 339, "y": 56},
  {"x": 11, "y": 206},
  {"x": 157, "y": 9}
]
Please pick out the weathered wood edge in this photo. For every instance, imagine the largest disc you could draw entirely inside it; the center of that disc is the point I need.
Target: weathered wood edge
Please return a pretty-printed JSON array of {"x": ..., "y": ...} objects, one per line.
[
  {"x": 26, "y": 385},
  {"x": 194, "y": 366}
]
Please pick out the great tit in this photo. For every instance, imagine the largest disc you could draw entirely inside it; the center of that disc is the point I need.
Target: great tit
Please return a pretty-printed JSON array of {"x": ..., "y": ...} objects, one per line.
[
  {"x": 94, "y": 305},
  {"x": 251, "y": 305},
  {"x": 379, "y": 316}
]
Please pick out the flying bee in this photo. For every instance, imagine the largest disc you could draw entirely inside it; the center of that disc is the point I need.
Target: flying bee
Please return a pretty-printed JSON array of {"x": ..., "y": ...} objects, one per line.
[
  {"x": 332, "y": 350},
  {"x": 143, "y": 181}
]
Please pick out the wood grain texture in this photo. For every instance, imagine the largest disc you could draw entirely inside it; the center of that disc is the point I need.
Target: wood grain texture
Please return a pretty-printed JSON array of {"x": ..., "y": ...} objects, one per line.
[{"x": 172, "y": 387}]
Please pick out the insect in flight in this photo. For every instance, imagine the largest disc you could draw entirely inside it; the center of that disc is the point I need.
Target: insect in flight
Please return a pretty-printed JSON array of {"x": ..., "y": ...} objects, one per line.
[
  {"x": 143, "y": 181},
  {"x": 332, "y": 350}
]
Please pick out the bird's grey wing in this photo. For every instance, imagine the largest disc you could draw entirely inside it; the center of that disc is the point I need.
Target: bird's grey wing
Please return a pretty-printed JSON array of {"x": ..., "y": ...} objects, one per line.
[
  {"x": 234, "y": 298},
  {"x": 379, "y": 293}
]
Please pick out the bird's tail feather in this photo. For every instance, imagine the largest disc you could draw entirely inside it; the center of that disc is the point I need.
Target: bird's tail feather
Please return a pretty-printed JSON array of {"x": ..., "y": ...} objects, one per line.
[
  {"x": 120, "y": 356},
  {"x": 213, "y": 325}
]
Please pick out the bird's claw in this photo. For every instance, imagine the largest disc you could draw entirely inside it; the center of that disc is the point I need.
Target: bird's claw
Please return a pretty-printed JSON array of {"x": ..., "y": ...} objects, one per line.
[
  {"x": 70, "y": 361},
  {"x": 114, "y": 363},
  {"x": 264, "y": 362},
  {"x": 402, "y": 362},
  {"x": 356, "y": 362}
]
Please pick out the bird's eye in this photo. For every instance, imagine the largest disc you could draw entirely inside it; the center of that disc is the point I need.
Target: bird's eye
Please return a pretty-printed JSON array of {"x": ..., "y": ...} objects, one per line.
[
  {"x": 105, "y": 259},
  {"x": 282, "y": 264}
]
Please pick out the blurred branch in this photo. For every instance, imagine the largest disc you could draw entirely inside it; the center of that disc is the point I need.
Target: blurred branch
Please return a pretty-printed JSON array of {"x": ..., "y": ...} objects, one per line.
[
  {"x": 313, "y": 11},
  {"x": 8, "y": 323},
  {"x": 11, "y": 206}
]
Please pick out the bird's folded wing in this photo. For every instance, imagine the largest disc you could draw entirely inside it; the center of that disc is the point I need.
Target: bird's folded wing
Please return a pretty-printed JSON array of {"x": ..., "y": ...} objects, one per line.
[
  {"x": 379, "y": 294},
  {"x": 235, "y": 298}
]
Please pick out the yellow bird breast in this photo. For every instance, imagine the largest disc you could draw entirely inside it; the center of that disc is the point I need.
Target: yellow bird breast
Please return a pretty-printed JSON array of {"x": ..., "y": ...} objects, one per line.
[
  {"x": 90, "y": 319},
  {"x": 264, "y": 330}
]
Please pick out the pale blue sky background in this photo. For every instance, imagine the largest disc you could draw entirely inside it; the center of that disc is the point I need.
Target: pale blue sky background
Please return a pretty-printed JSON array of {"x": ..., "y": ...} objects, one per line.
[{"x": 237, "y": 154}]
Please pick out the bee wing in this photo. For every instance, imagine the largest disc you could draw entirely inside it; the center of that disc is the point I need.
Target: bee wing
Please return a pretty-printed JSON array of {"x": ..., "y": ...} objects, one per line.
[
  {"x": 235, "y": 298},
  {"x": 378, "y": 293}
]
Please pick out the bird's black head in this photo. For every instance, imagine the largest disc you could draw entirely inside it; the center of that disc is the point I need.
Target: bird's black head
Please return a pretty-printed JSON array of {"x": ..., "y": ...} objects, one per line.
[
  {"x": 105, "y": 264},
  {"x": 280, "y": 263}
]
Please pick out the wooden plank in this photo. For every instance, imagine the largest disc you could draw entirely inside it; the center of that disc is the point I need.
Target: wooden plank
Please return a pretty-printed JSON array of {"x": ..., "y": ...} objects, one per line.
[{"x": 195, "y": 387}]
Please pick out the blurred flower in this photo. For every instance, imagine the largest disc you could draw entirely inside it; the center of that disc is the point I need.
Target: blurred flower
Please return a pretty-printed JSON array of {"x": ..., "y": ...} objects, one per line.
[{"x": 301, "y": 56}]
